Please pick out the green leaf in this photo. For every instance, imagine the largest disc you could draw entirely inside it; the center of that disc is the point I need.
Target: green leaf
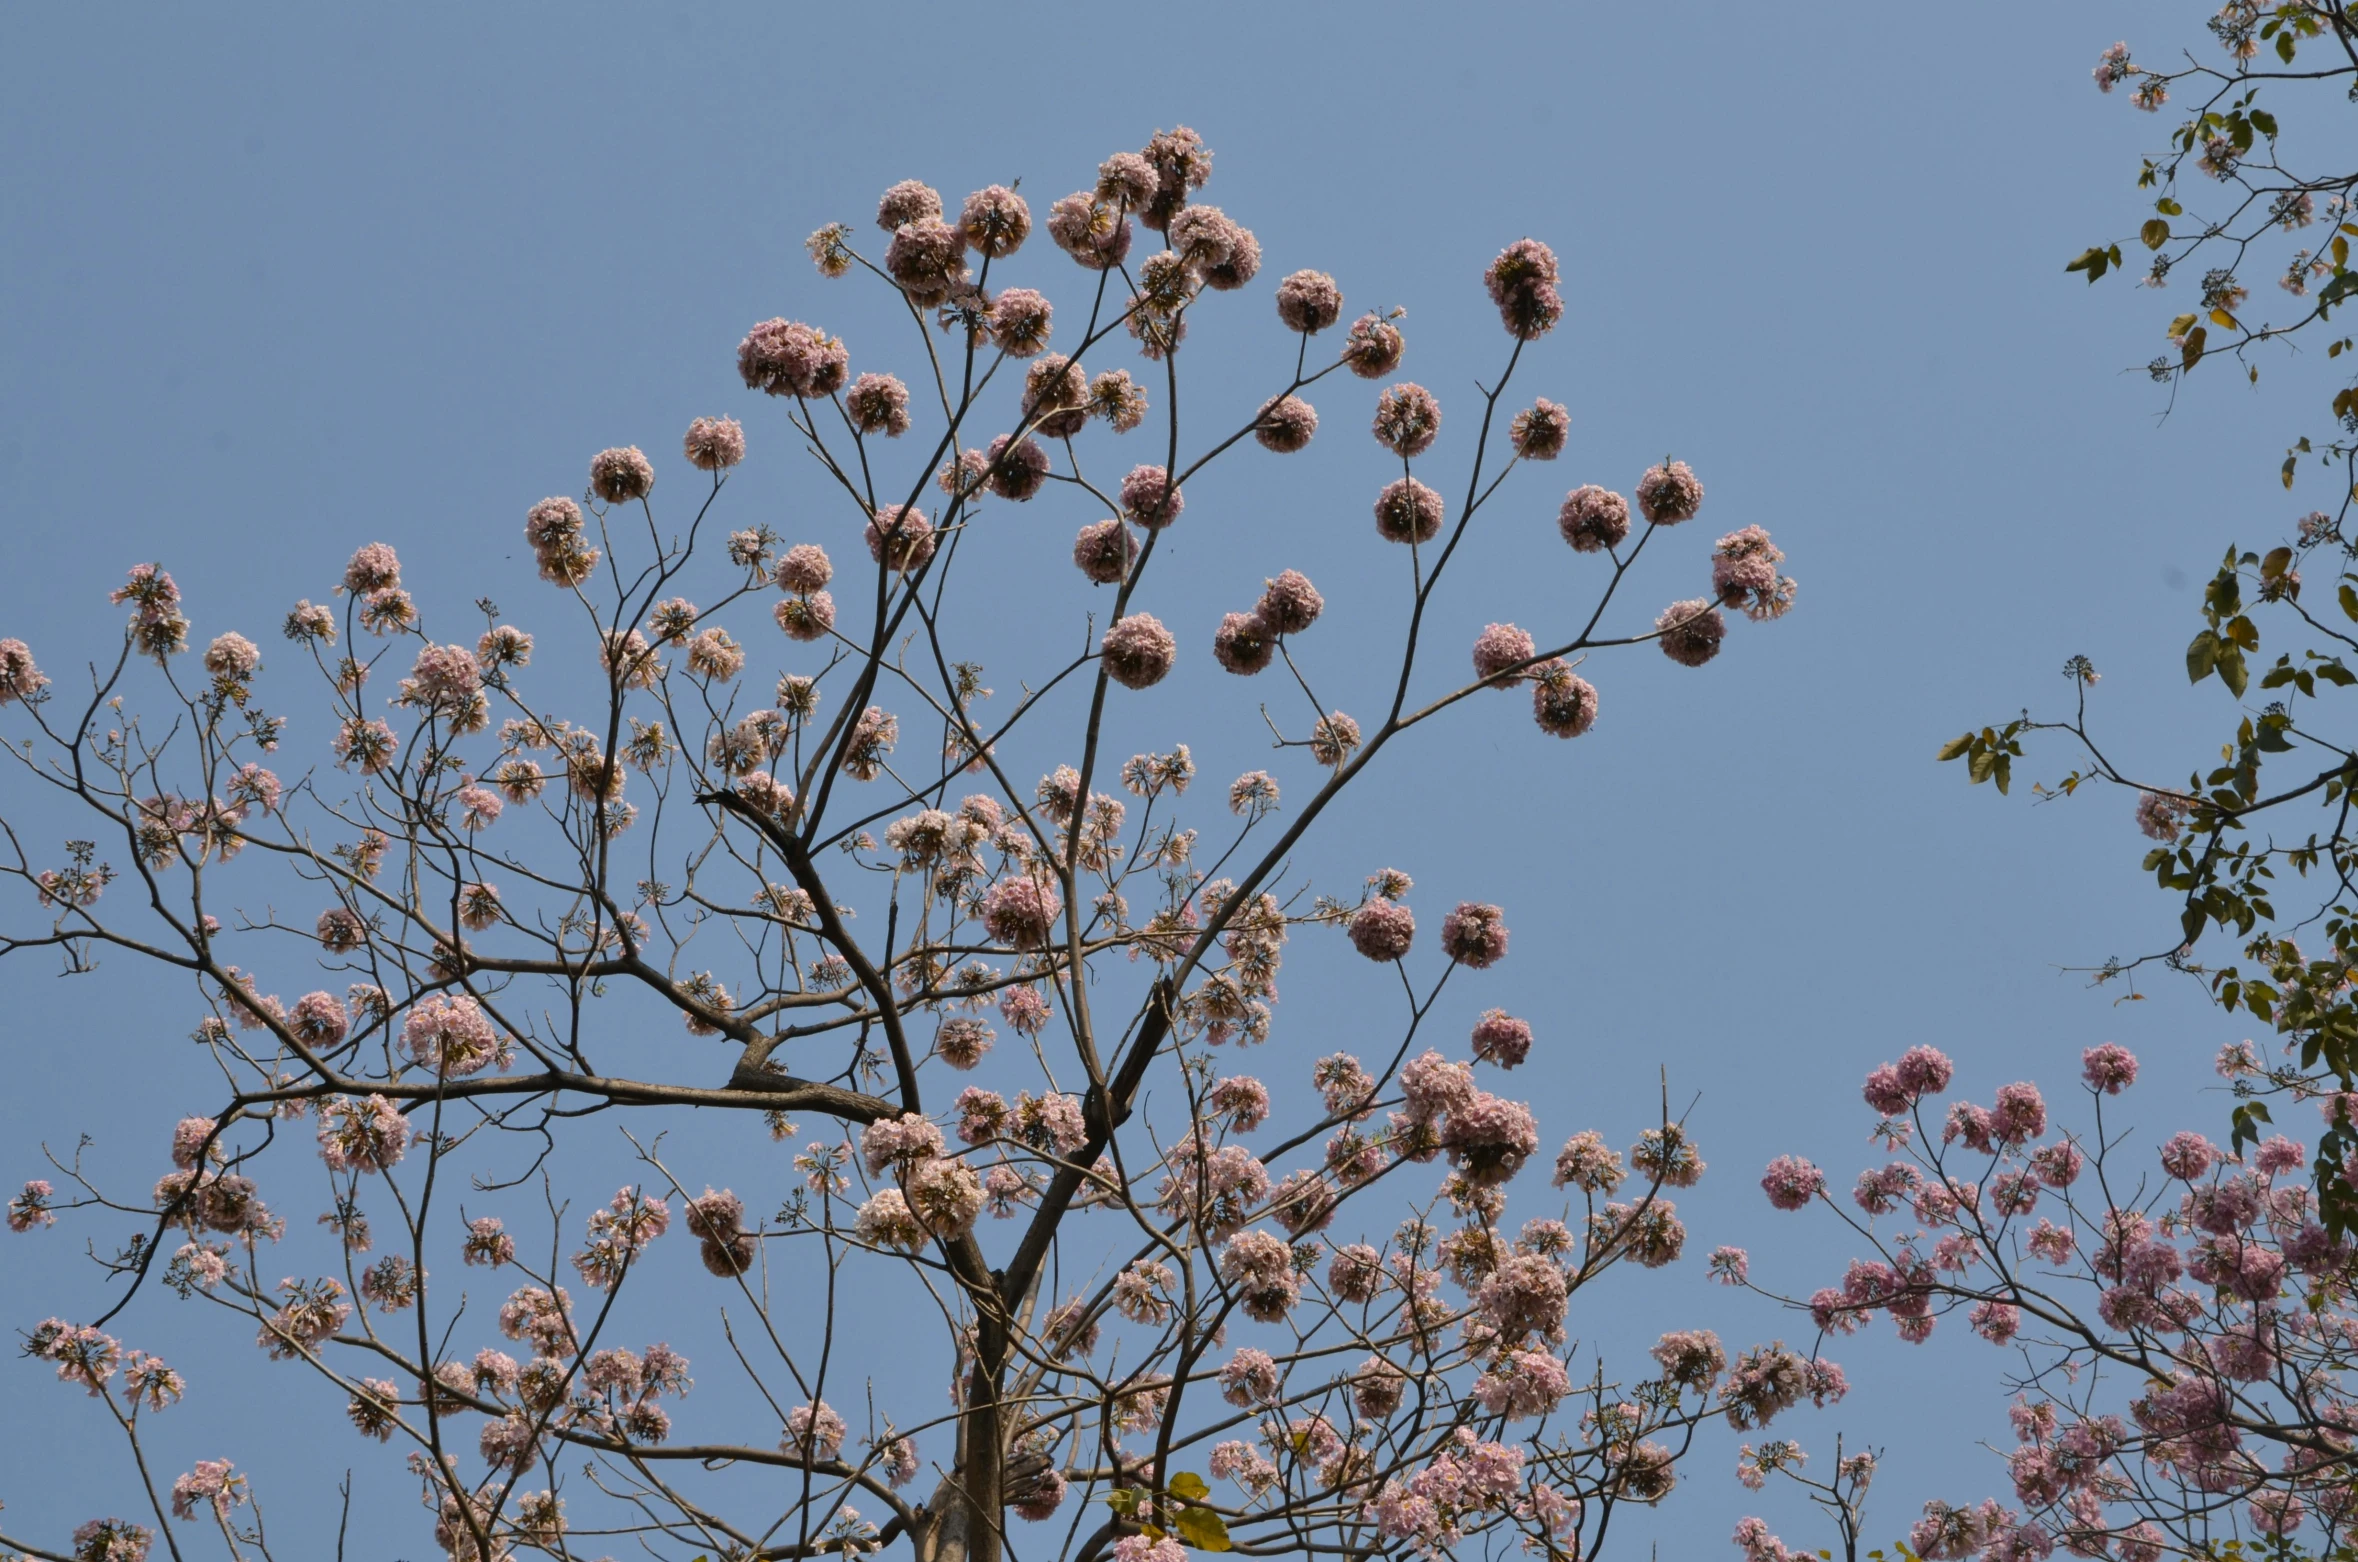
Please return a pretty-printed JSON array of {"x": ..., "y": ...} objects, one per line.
[
  {"x": 2337, "y": 289},
  {"x": 2155, "y": 233},
  {"x": 2202, "y": 656},
  {"x": 1955, "y": 747},
  {"x": 1191, "y": 1485},
  {"x": 2169, "y": 208},
  {"x": 2265, "y": 121},
  {"x": 2231, "y": 671},
  {"x": 2093, "y": 262},
  {"x": 1202, "y": 1529},
  {"x": 2003, "y": 772}
]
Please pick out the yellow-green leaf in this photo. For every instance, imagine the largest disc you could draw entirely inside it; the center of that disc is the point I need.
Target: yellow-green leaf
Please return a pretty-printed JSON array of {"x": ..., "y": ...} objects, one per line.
[
  {"x": 2231, "y": 672},
  {"x": 2155, "y": 233},
  {"x": 1956, "y": 746},
  {"x": 1189, "y": 1484},
  {"x": 1202, "y": 1529}
]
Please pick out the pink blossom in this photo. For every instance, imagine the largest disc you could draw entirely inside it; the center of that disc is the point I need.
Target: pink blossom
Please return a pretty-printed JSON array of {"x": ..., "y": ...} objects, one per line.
[
  {"x": 1499, "y": 1037},
  {"x": 1408, "y": 511},
  {"x": 1744, "y": 575},
  {"x": 1244, "y": 643},
  {"x": 1522, "y": 1384},
  {"x": 2019, "y": 1115},
  {"x": 1489, "y": 1138},
  {"x": 1593, "y": 519},
  {"x": 370, "y": 745},
  {"x": 1286, "y": 425},
  {"x": 1474, "y": 935},
  {"x": 1669, "y": 493},
  {"x": 19, "y": 678},
  {"x": 1017, "y": 467},
  {"x": 1104, "y": 551},
  {"x": 1996, "y": 1322},
  {"x": 1382, "y": 930},
  {"x": 1148, "y": 498},
  {"x": 621, "y": 475},
  {"x": 1309, "y": 302},
  {"x": 1261, "y": 1268},
  {"x": 29, "y": 1210},
  {"x": 1499, "y": 648},
  {"x": 1020, "y": 322},
  {"x": 1586, "y": 1162},
  {"x": 1249, "y": 1378},
  {"x": 318, "y": 1019},
  {"x": 1021, "y": 913},
  {"x": 788, "y": 358},
  {"x": 1924, "y": 1071},
  {"x": 1026, "y": 1009},
  {"x": 714, "y": 444},
  {"x": 900, "y": 538},
  {"x": 2162, "y": 815},
  {"x": 449, "y": 1035},
  {"x": 1373, "y": 348},
  {"x": 805, "y": 618},
  {"x": 1689, "y": 632},
  {"x": 233, "y": 658},
  {"x": 995, "y": 221},
  {"x": 1539, "y": 431},
  {"x": 2110, "y": 1068},
  {"x": 1524, "y": 1296},
  {"x": 1407, "y": 419},
  {"x": 2187, "y": 1155},
  {"x": 1791, "y": 1182},
  {"x": 1181, "y": 163},
  {"x": 364, "y": 1136},
  {"x": 2058, "y": 1164},
  {"x": 1138, "y": 651},
  {"x": 1093, "y": 233},
  {"x": 927, "y": 257},
  {"x": 1522, "y": 283},
  {"x": 909, "y": 201},
  {"x": 878, "y": 404},
  {"x": 1562, "y": 703}
]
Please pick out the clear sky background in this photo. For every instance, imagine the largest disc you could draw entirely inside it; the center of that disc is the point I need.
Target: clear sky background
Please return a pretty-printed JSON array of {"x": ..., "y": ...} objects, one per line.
[{"x": 276, "y": 283}]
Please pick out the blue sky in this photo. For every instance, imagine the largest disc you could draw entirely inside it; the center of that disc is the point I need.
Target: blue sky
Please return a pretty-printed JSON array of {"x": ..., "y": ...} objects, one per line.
[{"x": 278, "y": 283}]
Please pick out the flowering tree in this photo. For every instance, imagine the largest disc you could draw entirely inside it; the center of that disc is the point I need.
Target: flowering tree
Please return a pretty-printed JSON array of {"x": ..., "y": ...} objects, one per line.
[
  {"x": 2252, "y": 190},
  {"x": 2178, "y": 1318},
  {"x": 950, "y": 987},
  {"x": 2230, "y": 840}
]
